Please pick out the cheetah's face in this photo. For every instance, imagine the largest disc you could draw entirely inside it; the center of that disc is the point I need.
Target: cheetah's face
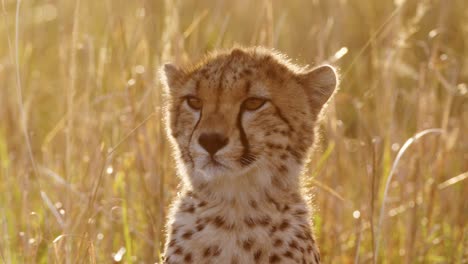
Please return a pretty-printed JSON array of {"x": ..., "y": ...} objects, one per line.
[{"x": 237, "y": 113}]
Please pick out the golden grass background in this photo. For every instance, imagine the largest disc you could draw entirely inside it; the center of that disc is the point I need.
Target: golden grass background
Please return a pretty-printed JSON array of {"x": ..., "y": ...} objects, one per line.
[{"x": 85, "y": 169}]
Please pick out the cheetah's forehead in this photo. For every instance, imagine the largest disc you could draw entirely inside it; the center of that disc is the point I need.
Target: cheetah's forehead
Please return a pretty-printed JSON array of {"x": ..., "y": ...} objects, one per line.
[{"x": 234, "y": 77}]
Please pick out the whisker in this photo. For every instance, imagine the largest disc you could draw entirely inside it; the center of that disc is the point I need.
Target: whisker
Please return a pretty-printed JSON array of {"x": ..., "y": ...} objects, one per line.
[{"x": 247, "y": 159}]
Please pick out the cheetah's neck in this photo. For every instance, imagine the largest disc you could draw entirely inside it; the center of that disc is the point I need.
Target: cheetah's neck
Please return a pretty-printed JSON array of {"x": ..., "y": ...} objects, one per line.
[{"x": 254, "y": 188}]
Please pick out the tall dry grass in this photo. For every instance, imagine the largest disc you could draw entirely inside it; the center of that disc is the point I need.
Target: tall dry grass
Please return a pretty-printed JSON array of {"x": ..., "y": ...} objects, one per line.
[{"x": 85, "y": 169}]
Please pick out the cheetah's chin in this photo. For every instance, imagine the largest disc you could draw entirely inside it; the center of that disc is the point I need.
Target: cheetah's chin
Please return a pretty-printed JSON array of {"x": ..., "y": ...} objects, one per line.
[
  {"x": 213, "y": 169},
  {"x": 214, "y": 163}
]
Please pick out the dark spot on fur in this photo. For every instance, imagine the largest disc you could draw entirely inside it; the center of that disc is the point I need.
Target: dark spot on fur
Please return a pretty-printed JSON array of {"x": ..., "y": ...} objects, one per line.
[
  {"x": 300, "y": 235},
  {"x": 253, "y": 204},
  {"x": 257, "y": 255},
  {"x": 200, "y": 227},
  {"x": 273, "y": 230},
  {"x": 284, "y": 225},
  {"x": 172, "y": 243},
  {"x": 188, "y": 257},
  {"x": 190, "y": 209},
  {"x": 218, "y": 221},
  {"x": 187, "y": 235},
  {"x": 274, "y": 258},
  {"x": 178, "y": 251},
  {"x": 175, "y": 134},
  {"x": 293, "y": 245},
  {"x": 264, "y": 221},
  {"x": 247, "y": 244},
  {"x": 296, "y": 198},
  {"x": 300, "y": 212},
  {"x": 278, "y": 242},
  {"x": 283, "y": 169},
  {"x": 302, "y": 148},
  {"x": 207, "y": 252},
  {"x": 288, "y": 254},
  {"x": 247, "y": 72},
  {"x": 250, "y": 222},
  {"x": 216, "y": 251}
]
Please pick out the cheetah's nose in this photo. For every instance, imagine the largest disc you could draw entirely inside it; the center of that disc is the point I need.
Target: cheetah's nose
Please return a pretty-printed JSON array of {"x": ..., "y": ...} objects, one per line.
[{"x": 212, "y": 142}]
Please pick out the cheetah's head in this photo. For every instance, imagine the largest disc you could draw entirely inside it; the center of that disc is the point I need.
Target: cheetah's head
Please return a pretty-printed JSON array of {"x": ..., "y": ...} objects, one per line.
[{"x": 243, "y": 110}]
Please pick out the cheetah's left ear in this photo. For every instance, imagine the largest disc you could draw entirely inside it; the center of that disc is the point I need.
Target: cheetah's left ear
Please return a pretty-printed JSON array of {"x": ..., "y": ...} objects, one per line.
[
  {"x": 319, "y": 83},
  {"x": 171, "y": 76}
]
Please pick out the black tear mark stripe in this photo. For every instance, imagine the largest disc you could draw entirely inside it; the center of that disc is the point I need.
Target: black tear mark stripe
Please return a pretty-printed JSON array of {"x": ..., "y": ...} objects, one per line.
[
  {"x": 245, "y": 159},
  {"x": 190, "y": 139}
]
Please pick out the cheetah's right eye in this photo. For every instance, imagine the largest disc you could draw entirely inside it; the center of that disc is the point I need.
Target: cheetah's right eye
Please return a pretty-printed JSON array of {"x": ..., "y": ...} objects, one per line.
[
  {"x": 254, "y": 103},
  {"x": 194, "y": 102}
]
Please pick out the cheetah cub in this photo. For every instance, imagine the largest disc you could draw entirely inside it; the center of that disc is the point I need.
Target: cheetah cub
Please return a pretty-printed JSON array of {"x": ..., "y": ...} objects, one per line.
[{"x": 241, "y": 124}]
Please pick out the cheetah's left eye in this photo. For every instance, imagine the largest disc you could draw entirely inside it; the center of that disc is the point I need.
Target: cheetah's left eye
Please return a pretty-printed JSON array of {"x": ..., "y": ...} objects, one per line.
[
  {"x": 194, "y": 102},
  {"x": 253, "y": 103}
]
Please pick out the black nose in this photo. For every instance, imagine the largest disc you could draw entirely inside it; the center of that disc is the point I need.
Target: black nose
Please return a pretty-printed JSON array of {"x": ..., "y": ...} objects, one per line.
[{"x": 212, "y": 142}]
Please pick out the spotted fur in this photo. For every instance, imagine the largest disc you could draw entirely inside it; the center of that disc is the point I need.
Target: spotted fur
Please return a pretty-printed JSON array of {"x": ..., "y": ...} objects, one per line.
[{"x": 241, "y": 202}]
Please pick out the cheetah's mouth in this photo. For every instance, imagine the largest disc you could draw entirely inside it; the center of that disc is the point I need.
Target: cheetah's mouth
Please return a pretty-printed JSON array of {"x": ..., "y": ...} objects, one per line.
[{"x": 214, "y": 163}]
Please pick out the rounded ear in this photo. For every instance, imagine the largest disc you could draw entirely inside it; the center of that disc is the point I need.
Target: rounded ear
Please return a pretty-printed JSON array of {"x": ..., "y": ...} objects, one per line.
[
  {"x": 171, "y": 76},
  {"x": 320, "y": 84}
]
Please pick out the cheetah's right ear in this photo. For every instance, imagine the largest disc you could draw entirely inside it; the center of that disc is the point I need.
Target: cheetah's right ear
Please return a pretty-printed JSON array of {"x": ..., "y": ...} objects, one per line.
[
  {"x": 171, "y": 76},
  {"x": 320, "y": 84}
]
